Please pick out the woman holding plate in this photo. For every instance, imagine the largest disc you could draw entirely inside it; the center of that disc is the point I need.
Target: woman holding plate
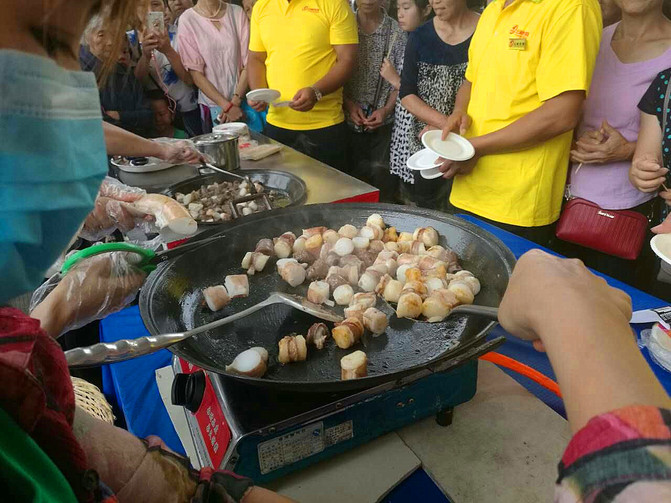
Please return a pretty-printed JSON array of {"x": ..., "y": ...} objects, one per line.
[{"x": 434, "y": 65}]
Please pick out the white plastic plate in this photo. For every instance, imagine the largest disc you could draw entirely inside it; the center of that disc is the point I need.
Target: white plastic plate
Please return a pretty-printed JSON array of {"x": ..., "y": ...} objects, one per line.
[
  {"x": 661, "y": 245},
  {"x": 430, "y": 174},
  {"x": 424, "y": 159},
  {"x": 454, "y": 147},
  {"x": 265, "y": 95}
]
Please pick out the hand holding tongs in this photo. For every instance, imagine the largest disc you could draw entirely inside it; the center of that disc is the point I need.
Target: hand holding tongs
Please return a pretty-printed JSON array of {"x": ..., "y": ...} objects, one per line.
[{"x": 149, "y": 259}]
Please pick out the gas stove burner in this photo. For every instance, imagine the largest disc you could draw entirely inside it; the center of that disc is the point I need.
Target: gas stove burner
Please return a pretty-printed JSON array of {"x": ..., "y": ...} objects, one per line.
[
  {"x": 188, "y": 390},
  {"x": 264, "y": 433}
]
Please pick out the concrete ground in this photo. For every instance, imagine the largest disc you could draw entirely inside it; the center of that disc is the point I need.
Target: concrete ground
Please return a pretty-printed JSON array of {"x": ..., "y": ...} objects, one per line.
[{"x": 503, "y": 446}]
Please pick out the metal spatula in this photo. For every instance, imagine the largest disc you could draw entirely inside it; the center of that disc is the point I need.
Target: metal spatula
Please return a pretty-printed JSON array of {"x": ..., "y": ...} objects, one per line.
[
  {"x": 487, "y": 312},
  {"x": 127, "y": 349},
  {"x": 224, "y": 172}
]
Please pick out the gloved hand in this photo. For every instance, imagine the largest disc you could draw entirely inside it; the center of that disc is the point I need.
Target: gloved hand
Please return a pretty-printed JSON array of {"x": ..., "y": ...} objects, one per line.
[
  {"x": 113, "y": 211},
  {"x": 94, "y": 288},
  {"x": 180, "y": 152}
]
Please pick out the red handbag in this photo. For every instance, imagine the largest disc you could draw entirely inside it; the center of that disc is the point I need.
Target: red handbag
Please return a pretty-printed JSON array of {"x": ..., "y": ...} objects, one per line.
[{"x": 614, "y": 232}]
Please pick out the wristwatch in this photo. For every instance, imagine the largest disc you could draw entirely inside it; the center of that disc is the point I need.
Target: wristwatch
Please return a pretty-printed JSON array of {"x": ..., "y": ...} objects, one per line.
[{"x": 318, "y": 93}]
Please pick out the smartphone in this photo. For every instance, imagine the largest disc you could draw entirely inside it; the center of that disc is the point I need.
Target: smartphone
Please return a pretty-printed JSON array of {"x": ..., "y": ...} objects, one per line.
[{"x": 155, "y": 22}]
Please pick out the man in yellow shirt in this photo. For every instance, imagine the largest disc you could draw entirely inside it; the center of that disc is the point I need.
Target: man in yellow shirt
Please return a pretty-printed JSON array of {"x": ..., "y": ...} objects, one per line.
[
  {"x": 530, "y": 67},
  {"x": 305, "y": 49}
]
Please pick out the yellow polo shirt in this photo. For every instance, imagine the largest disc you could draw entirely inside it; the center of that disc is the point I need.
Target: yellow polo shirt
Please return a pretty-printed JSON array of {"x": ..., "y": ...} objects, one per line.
[
  {"x": 521, "y": 56},
  {"x": 298, "y": 37}
]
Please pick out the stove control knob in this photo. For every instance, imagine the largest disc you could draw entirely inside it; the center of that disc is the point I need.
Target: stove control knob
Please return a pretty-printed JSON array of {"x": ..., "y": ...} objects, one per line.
[{"x": 188, "y": 390}]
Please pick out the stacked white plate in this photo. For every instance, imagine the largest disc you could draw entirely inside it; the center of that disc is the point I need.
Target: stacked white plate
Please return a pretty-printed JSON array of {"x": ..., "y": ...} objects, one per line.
[
  {"x": 238, "y": 128},
  {"x": 427, "y": 161}
]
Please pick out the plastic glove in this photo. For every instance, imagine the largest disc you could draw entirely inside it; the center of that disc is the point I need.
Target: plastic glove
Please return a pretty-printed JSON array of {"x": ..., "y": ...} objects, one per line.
[
  {"x": 94, "y": 288},
  {"x": 112, "y": 211},
  {"x": 114, "y": 189},
  {"x": 180, "y": 152}
]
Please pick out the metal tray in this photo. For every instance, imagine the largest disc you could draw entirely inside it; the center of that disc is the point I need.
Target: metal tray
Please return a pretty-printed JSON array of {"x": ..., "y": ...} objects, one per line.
[{"x": 292, "y": 189}]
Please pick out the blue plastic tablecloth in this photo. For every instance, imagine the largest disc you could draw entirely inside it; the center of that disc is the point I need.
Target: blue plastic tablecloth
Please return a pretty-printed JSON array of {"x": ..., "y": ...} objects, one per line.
[{"x": 132, "y": 384}]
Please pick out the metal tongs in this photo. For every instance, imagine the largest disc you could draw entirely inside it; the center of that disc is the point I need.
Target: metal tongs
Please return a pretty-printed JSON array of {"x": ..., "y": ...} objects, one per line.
[
  {"x": 484, "y": 311},
  {"x": 245, "y": 199},
  {"x": 223, "y": 171},
  {"x": 127, "y": 349}
]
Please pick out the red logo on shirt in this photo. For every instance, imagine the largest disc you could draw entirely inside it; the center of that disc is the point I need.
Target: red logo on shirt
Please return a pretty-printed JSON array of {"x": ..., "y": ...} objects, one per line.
[
  {"x": 515, "y": 30},
  {"x": 314, "y": 10}
]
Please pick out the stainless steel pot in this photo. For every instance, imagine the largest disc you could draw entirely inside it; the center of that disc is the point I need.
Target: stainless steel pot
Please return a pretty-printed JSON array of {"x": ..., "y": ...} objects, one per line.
[{"x": 222, "y": 149}]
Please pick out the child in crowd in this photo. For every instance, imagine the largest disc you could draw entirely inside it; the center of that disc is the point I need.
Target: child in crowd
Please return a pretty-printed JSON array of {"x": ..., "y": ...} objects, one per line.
[
  {"x": 434, "y": 66},
  {"x": 410, "y": 14},
  {"x": 158, "y": 64},
  {"x": 164, "y": 116}
]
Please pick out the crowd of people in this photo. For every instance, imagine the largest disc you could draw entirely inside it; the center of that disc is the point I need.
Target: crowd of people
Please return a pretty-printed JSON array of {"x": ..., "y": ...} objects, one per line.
[
  {"x": 552, "y": 95},
  {"x": 539, "y": 87}
]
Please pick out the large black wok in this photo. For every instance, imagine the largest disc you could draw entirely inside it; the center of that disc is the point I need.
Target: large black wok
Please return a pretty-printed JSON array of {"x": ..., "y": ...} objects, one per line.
[{"x": 171, "y": 301}]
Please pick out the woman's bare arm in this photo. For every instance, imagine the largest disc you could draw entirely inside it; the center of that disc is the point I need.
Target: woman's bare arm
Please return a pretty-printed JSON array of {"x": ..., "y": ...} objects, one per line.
[
  {"x": 583, "y": 324},
  {"x": 203, "y": 83}
]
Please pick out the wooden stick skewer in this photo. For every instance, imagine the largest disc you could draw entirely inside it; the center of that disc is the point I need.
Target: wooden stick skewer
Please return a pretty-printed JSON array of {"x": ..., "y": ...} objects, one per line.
[
  {"x": 391, "y": 44},
  {"x": 381, "y": 81}
]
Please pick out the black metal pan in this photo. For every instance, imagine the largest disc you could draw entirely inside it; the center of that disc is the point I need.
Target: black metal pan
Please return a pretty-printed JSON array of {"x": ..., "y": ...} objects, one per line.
[
  {"x": 291, "y": 190},
  {"x": 171, "y": 301}
]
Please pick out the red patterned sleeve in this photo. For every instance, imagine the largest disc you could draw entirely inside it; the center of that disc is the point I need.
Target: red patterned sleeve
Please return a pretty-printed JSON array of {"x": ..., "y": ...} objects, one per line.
[{"x": 624, "y": 455}]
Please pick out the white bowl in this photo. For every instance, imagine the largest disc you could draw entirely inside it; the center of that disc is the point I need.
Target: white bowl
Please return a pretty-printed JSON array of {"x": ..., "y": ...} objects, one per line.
[{"x": 454, "y": 147}]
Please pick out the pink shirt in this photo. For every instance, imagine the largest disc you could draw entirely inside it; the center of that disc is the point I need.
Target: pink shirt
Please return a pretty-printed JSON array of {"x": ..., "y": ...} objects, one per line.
[
  {"x": 614, "y": 95},
  {"x": 219, "y": 52}
]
